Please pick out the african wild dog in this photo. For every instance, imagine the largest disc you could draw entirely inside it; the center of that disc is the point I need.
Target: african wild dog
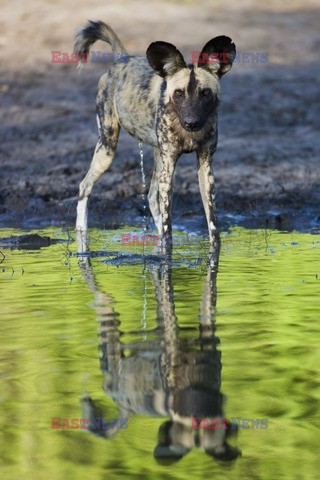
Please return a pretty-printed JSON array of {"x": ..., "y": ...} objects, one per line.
[{"x": 163, "y": 102}]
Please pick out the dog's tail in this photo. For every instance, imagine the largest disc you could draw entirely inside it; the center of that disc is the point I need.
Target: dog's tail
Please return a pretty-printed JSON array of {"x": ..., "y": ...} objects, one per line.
[{"x": 93, "y": 31}]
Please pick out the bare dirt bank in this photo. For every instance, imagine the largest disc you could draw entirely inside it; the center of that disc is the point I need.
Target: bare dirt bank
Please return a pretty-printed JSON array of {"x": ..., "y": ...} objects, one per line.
[{"x": 267, "y": 164}]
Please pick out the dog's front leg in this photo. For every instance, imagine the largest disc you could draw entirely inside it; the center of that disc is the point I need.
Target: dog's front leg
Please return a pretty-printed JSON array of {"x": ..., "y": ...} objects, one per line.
[
  {"x": 165, "y": 197},
  {"x": 207, "y": 190},
  {"x": 153, "y": 195}
]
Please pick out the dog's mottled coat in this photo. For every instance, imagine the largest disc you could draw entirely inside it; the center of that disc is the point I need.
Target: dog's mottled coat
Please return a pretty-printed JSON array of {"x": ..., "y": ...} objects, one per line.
[{"x": 163, "y": 102}]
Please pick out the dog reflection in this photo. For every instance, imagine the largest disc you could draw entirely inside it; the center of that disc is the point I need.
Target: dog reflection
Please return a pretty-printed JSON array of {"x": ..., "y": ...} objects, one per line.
[{"x": 174, "y": 375}]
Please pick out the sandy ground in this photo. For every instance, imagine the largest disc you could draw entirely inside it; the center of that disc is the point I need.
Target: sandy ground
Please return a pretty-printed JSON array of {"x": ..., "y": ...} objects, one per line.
[{"x": 267, "y": 163}]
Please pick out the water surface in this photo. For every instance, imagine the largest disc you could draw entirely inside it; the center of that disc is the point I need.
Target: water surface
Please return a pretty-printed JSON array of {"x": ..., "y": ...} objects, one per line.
[{"x": 154, "y": 344}]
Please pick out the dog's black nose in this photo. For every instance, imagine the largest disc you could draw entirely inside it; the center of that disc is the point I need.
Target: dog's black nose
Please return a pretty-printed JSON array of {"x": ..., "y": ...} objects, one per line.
[{"x": 191, "y": 125}]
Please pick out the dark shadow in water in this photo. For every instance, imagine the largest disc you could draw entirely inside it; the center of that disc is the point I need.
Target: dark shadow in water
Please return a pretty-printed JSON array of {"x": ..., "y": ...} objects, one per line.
[
  {"x": 31, "y": 241},
  {"x": 176, "y": 374}
]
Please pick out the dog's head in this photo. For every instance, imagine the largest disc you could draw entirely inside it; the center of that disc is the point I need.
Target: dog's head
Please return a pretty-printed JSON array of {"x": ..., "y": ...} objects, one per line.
[
  {"x": 192, "y": 90},
  {"x": 176, "y": 439}
]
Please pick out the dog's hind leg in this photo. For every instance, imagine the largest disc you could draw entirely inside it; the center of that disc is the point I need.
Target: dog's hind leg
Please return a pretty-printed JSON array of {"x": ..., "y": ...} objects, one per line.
[
  {"x": 101, "y": 161},
  {"x": 109, "y": 129},
  {"x": 153, "y": 195}
]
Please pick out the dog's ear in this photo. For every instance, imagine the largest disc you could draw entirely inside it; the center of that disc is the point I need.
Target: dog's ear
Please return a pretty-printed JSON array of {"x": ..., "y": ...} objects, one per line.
[
  {"x": 225, "y": 454},
  {"x": 167, "y": 452},
  {"x": 217, "y": 55},
  {"x": 165, "y": 58}
]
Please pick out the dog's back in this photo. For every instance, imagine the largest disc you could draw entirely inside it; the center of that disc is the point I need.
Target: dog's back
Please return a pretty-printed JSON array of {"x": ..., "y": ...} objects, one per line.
[
  {"x": 136, "y": 96},
  {"x": 130, "y": 82}
]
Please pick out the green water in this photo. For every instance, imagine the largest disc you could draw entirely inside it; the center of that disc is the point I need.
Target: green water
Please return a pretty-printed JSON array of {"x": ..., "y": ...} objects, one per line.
[{"x": 149, "y": 337}]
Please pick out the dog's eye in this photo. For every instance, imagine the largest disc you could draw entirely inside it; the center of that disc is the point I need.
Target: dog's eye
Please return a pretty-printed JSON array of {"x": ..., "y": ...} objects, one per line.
[
  {"x": 206, "y": 92},
  {"x": 178, "y": 93}
]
